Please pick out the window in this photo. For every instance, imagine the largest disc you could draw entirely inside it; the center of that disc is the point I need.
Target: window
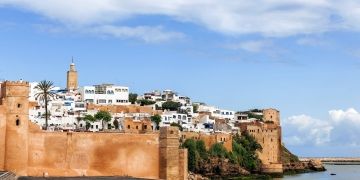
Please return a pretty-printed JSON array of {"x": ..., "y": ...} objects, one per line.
[
  {"x": 97, "y": 126},
  {"x": 137, "y": 127},
  {"x": 92, "y": 126},
  {"x": 17, "y": 122},
  {"x": 102, "y": 101},
  {"x": 19, "y": 105},
  {"x": 109, "y": 101},
  {"x": 80, "y": 125},
  {"x": 89, "y": 100},
  {"x": 145, "y": 126},
  {"x": 128, "y": 126}
]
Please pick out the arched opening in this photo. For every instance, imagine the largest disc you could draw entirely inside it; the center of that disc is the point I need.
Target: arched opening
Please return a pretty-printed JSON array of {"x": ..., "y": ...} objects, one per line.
[{"x": 17, "y": 122}]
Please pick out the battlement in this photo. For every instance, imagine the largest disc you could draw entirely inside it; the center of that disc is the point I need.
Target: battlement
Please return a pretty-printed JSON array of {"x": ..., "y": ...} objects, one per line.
[
  {"x": 16, "y": 83},
  {"x": 14, "y": 89}
]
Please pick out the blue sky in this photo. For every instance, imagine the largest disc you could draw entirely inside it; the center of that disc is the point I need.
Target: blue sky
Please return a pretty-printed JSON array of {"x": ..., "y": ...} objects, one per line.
[{"x": 302, "y": 57}]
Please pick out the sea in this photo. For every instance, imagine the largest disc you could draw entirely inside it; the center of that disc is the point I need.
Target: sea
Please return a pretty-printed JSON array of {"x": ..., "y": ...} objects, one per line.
[{"x": 338, "y": 172}]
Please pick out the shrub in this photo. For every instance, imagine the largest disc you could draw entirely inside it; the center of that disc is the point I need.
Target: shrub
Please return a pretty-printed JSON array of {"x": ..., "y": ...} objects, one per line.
[
  {"x": 218, "y": 150},
  {"x": 145, "y": 102},
  {"x": 171, "y": 105},
  {"x": 190, "y": 144}
]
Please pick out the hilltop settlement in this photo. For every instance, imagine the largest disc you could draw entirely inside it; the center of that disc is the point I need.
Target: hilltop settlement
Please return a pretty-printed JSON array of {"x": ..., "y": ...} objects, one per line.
[{"x": 105, "y": 130}]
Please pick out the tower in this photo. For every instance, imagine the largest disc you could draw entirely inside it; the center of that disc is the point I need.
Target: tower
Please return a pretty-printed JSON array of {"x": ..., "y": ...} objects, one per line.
[
  {"x": 15, "y": 116},
  {"x": 72, "y": 78},
  {"x": 169, "y": 153},
  {"x": 271, "y": 115}
]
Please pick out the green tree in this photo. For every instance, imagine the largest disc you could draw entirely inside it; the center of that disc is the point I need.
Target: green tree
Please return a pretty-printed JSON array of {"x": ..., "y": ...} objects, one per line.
[
  {"x": 218, "y": 150},
  {"x": 89, "y": 118},
  {"x": 201, "y": 149},
  {"x": 116, "y": 124},
  {"x": 45, "y": 94},
  {"x": 190, "y": 144},
  {"x": 171, "y": 105},
  {"x": 244, "y": 148},
  {"x": 195, "y": 108},
  {"x": 156, "y": 119},
  {"x": 103, "y": 116},
  {"x": 177, "y": 125},
  {"x": 252, "y": 115},
  {"x": 145, "y": 102},
  {"x": 87, "y": 125},
  {"x": 133, "y": 97}
]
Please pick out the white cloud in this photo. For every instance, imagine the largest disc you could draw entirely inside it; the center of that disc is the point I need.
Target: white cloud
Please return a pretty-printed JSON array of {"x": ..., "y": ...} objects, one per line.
[
  {"x": 252, "y": 46},
  {"x": 341, "y": 116},
  {"x": 311, "y": 42},
  {"x": 268, "y": 18},
  {"x": 308, "y": 130},
  {"x": 145, "y": 33},
  {"x": 341, "y": 129}
]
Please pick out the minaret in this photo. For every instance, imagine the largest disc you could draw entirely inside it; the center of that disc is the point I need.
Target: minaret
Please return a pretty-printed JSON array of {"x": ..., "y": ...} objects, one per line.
[{"x": 72, "y": 77}]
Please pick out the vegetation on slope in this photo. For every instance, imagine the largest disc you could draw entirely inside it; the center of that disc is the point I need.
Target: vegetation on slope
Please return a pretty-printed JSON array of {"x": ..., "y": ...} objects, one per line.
[
  {"x": 287, "y": 156},
  {"x": 213, "y": 161}
]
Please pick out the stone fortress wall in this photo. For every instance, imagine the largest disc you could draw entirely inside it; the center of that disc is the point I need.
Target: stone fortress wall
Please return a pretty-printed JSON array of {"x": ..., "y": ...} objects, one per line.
[
  {"x": 268, "y": 135},
  {"x": 28, "y": 151}
]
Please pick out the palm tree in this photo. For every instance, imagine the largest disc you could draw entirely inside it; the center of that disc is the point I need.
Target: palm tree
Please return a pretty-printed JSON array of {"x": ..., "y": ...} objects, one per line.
[{"x": 45, "y": 94}]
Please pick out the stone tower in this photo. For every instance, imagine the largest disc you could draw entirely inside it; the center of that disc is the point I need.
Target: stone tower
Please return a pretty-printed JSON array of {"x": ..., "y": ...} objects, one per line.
[
  {"x": 169, "y": 153},
  {"x": 72, "y": 78},
  {"x": 272, "y": 115},
  {"x": 14, "y": 114}
]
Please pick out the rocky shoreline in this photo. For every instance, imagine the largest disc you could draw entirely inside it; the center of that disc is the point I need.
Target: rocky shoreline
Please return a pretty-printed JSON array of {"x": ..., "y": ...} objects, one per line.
[{"x": 303, "y": 167}]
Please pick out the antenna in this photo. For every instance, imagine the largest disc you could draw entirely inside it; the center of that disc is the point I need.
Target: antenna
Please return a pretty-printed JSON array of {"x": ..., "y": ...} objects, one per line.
[{"x": 72, "y": 59}]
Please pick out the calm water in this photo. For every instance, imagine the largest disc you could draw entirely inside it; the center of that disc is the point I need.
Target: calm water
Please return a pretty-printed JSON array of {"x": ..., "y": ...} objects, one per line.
[{"x": 343, "y": 172}]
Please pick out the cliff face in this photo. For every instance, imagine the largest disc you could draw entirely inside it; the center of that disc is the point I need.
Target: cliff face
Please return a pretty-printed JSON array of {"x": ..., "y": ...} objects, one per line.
[{"x": 221, "y": 167}]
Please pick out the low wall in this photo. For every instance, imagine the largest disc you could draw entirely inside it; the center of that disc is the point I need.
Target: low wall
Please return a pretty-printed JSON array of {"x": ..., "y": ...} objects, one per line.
[{"x": 93, "y": 154}]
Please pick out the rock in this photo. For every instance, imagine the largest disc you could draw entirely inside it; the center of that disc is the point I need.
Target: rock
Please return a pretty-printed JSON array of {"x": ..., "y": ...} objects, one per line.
[
  {"x": 193, "y": 176},
  {"x": 316, "y": 165},
  {"x": 304, "y": 166},
  {"x": 221, "y": 167}
]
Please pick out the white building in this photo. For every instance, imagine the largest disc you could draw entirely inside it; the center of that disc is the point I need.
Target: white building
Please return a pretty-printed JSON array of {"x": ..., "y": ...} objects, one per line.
[
  {"x": 105, "y": 94},
  {"x": 168, "y": 117},
  {"x": 218, "y": 113}
]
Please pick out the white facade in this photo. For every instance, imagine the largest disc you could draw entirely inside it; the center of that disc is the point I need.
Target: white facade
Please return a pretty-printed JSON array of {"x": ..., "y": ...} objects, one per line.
[
  {"x": 105, "y": 94},
  {"x": 218, "y": 113}
]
